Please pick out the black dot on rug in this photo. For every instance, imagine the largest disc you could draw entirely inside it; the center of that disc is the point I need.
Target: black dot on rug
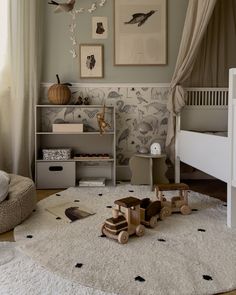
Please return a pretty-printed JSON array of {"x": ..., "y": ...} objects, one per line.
[
  {"x": 194, "y": 210},
  {"x": 131, "y": 191},
  {"x": 140, "y": 279},
  {"x": 58, "y": 218},
  {"x": 161, "y": 240},
  {"x": 29, "y": 237},
  {"x": 102, "y": 236},
  {"x": 58, "y": 195},
  {"x": 109, "y": 207},
  {"x": 34, "y": 210},
  {"x": 76, "y": 201},
  {"x": 79, "y": 265},
  {"x": 202, "y": 230},
  {"x": 100, "y": 195},
  {"x": 207, "y": 278}
]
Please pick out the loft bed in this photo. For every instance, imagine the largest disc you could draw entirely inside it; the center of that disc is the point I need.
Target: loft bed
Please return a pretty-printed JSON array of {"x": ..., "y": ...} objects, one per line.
[{"x": 205, "y": 136}]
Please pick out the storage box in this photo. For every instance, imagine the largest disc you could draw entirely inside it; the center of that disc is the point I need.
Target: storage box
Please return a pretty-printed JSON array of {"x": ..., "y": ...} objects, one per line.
[
  {"x": 51, "y": 175},
  {"x": 70, "y": 128},
  {"x": 57, "y": 154}
]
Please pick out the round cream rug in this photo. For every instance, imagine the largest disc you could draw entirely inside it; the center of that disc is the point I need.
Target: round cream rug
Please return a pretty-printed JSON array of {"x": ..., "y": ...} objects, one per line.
[{"x": 192, "y": 254}]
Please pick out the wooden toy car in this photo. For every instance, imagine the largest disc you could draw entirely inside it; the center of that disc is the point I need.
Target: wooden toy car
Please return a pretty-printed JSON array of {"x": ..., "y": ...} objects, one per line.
[
  {"x": 178, "y": 203},
  {"x": 150, "y": 212},
  {"x": 125, "y": 221}
]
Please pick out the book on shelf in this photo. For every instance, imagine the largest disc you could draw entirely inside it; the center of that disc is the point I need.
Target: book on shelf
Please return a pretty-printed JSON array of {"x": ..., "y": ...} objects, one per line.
[
  {"x": 92, "y": 181},
  {"x": 69, "y": 212},
  {"x": 92, "y": 156},
  {"x": 68, "y": 127}
]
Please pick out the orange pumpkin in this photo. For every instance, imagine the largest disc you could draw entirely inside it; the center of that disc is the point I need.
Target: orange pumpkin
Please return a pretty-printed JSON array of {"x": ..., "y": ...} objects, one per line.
[{"x": 59, "y": 93}]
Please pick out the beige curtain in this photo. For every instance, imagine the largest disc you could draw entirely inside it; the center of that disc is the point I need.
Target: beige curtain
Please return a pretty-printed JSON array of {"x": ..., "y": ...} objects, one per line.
[
  {"x": 5, "y": 138},
  {"x": 218, "y": 50},
  {"x": 25, "y": 18},
  {"x": 197, "y": 19}
]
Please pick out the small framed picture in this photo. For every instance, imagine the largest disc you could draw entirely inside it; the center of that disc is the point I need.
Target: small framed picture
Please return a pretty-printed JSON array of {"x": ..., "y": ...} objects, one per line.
[
  {"x": 99, "y": 28},
  {"x": 91, "y": 61}
]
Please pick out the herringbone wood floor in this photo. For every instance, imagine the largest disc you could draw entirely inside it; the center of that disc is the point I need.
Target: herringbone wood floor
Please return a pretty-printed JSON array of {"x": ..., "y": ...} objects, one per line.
[{"x": 213, "y": 188}]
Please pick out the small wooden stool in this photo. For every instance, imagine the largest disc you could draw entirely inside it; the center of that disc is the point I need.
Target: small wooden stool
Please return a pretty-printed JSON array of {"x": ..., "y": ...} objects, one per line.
[
  {"x": 178, "y": 203},
  {"x": 148, "y": 169}
]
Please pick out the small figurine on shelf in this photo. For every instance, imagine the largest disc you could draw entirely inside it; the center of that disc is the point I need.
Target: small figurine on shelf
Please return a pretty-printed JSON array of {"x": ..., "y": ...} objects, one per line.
[
  {"x": 79, "y": 101},
  {"x": 86, "y": 101},
  {"x": 101, "y": 121}
]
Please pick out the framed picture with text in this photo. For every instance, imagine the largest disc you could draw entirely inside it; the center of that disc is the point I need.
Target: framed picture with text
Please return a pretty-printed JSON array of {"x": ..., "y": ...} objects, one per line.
[
  {"x": 140, "y": 32},
  {"x": 91, "y": 61}
]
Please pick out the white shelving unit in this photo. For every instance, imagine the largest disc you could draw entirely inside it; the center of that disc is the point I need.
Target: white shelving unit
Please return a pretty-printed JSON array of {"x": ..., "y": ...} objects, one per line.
[{"x": 63, "y": 174}]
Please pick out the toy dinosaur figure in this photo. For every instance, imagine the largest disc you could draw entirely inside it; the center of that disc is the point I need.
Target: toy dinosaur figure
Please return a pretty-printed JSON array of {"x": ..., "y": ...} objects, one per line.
[{"x": 101, "y": 121}]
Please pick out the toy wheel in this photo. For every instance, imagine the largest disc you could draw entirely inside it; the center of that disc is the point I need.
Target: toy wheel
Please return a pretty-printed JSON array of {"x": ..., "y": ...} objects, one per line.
[
  {"x": 140, "y": 230},
  {"x": 102, "y": 229},
  {"x": 185, "y": 210},
  {"x": 123, "y": 237},
  {"x": 165, "y": 212},
  {"x": 153, "y": 222}
]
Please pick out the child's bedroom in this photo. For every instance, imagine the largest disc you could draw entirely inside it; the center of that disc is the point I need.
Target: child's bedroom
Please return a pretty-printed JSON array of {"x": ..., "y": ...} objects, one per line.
[{"x": 117, "y": 149}]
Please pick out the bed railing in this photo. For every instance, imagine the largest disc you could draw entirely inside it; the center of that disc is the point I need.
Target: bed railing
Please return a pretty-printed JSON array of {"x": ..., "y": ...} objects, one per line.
[{"x": 207, "y": 96}]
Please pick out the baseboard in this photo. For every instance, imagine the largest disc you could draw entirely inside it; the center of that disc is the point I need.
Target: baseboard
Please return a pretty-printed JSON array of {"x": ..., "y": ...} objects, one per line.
[{"x": 123, "y": 173}]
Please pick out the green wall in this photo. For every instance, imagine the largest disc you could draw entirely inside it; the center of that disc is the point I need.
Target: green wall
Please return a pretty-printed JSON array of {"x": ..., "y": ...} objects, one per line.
[{"x": 57, "y": 44}]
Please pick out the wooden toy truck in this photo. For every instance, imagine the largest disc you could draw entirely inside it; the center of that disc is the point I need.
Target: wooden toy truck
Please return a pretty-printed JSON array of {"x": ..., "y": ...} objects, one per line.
[
  {"x": 178, "y": 203},
  {"x": 125, "y": 220}
]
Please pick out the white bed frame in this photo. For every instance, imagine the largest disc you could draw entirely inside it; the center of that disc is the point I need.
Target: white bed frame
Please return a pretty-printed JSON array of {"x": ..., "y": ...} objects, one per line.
[{"x": 209, "y": 109}]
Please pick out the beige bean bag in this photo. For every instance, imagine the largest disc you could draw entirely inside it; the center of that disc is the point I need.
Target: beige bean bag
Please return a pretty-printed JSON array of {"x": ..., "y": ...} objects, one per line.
[{"x": 19, "y": 204}]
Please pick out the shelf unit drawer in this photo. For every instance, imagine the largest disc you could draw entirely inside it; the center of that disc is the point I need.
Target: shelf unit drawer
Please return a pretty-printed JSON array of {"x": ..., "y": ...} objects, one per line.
[{"x": 55, "y": 175}]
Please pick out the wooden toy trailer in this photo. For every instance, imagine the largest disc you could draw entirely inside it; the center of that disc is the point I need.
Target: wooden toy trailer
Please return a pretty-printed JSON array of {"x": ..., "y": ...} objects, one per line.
[
  {"x": 150, "y": 212},
  {"x": 125, "y": 221},
  {"x": 178, "y": 203}
]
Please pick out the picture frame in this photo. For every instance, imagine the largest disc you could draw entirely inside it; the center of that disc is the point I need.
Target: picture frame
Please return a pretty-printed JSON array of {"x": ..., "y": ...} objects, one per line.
[
  {"x": 140, "y": 36},
  {"x": 91, "y": 61},
  {"x": 99, "y": 27}
]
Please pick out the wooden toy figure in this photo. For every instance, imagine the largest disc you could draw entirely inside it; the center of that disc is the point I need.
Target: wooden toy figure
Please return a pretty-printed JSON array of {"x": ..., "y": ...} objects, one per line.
[
  {"x": 101, "y": 121},
  {"x": 178, "y": 203},
  {"x": 125, "y": 221}
]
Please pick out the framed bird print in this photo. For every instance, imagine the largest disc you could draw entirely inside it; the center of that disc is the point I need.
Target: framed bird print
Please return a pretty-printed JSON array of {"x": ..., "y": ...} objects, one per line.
[
  {"x": 140, "y": 32},
  {"x": 91, "y": 61}
]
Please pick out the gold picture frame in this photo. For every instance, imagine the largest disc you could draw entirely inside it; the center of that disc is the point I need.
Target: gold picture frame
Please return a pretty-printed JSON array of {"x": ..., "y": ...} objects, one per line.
[
  {"x": 140, "y": 36},
  {"x": 91, "y": 61}
]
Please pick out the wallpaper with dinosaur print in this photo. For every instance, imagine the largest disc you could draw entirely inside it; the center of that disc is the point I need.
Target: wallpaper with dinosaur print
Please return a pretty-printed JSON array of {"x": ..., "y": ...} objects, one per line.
[{"x": 141, "y": 115}]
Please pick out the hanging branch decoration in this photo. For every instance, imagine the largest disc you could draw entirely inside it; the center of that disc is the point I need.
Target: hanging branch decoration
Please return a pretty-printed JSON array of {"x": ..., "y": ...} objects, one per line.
[
  {"x": 73, "y": 52},
  {"x": 72, "y": 38},
  {"x": 92, "y": 8},
  {"x": 102, "y": 3},
  {"x": 69, "y": 6}
]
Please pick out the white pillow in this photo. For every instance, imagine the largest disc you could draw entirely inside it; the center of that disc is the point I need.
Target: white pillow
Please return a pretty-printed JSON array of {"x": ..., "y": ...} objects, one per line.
[{"x": 4, "y": 185}]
